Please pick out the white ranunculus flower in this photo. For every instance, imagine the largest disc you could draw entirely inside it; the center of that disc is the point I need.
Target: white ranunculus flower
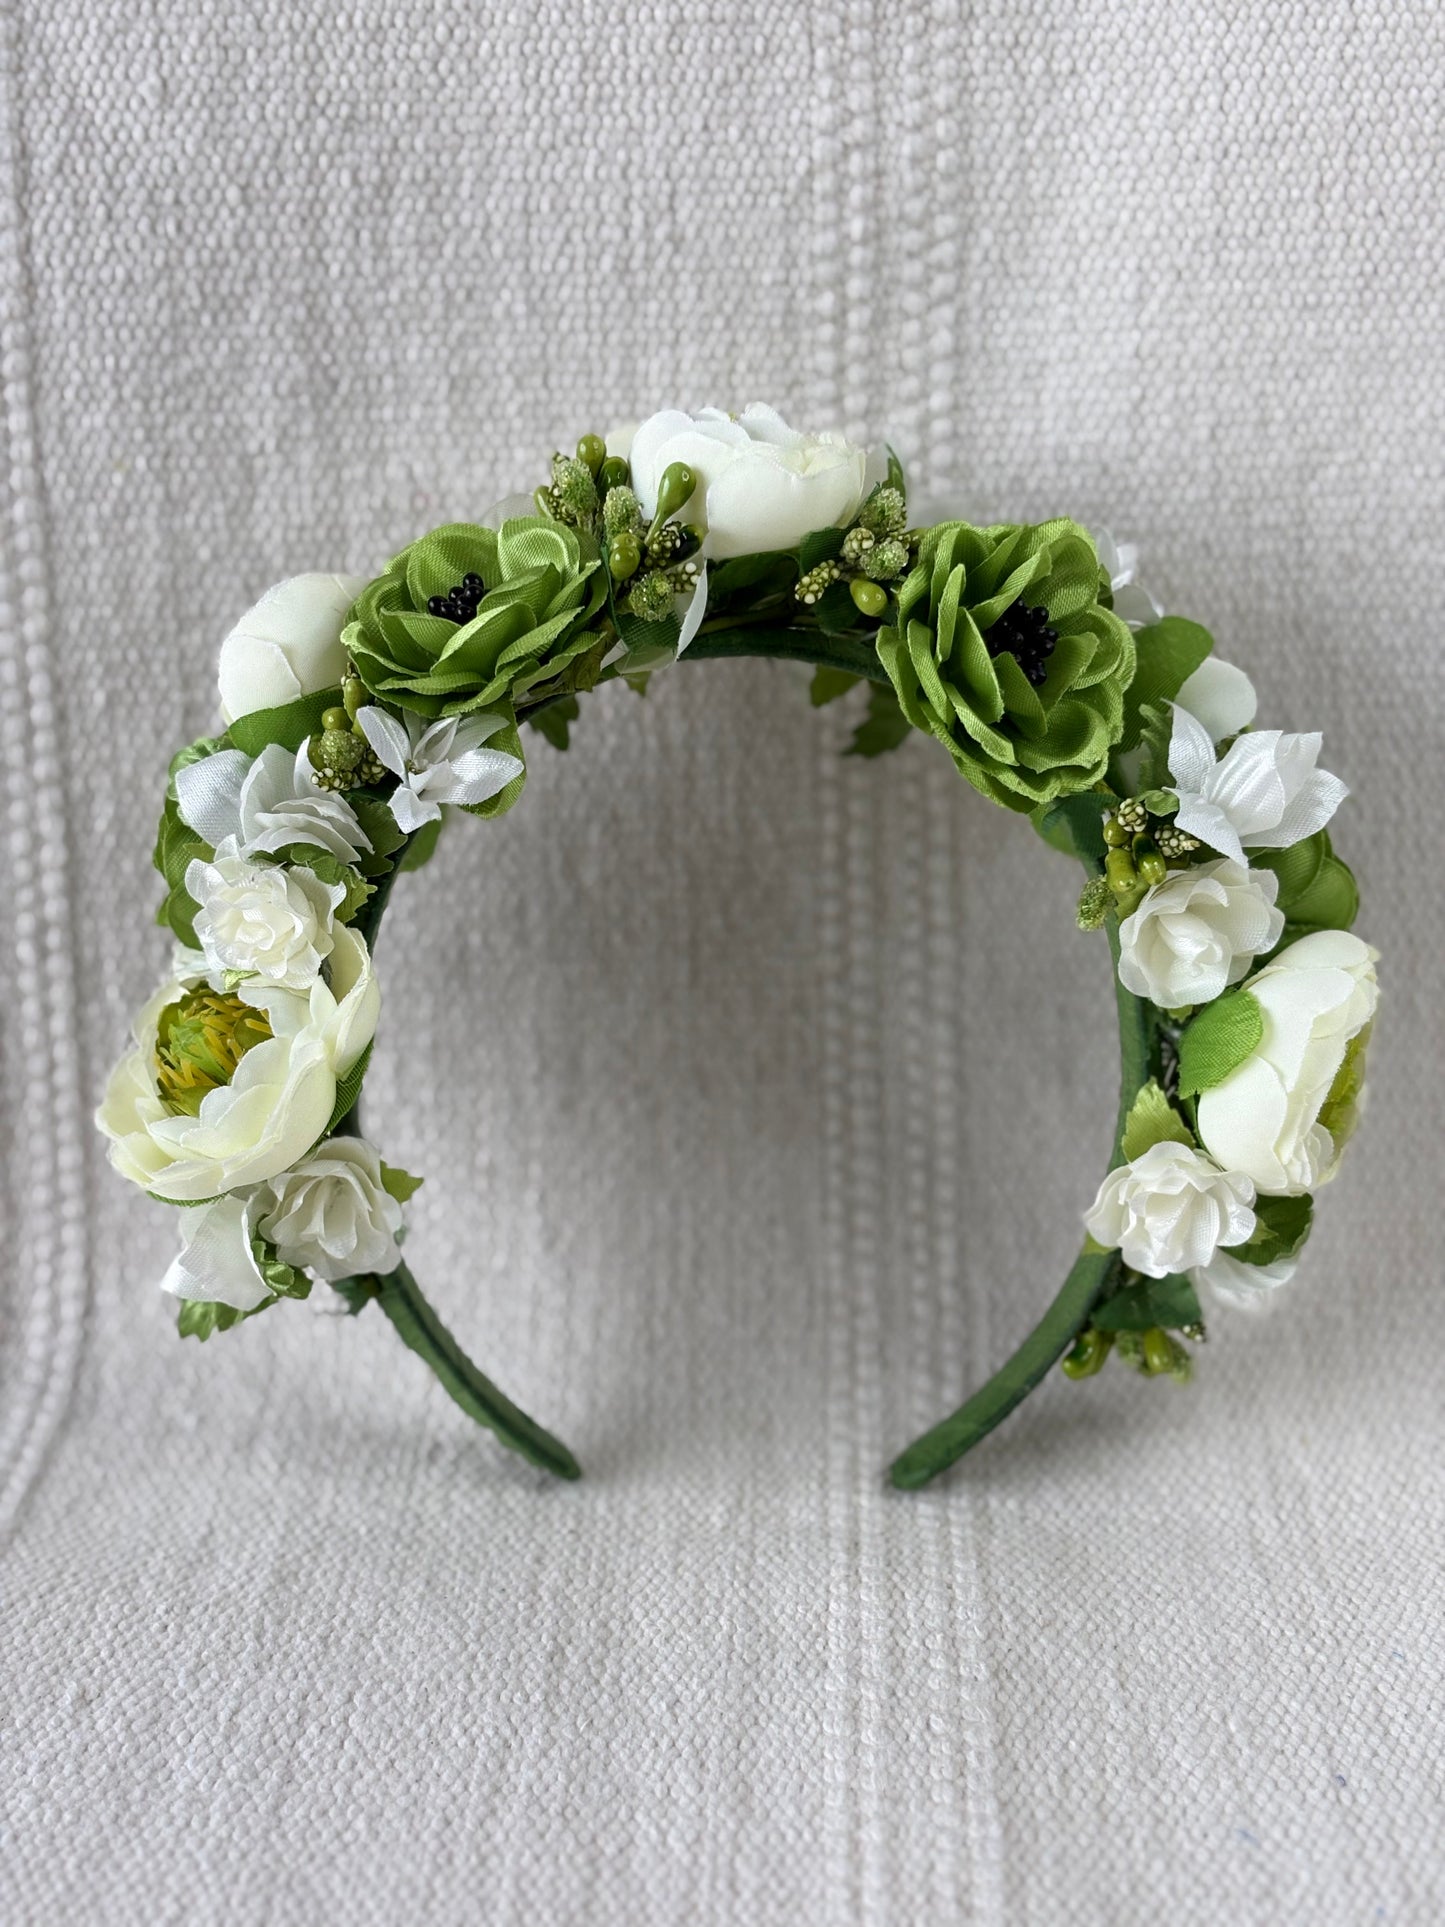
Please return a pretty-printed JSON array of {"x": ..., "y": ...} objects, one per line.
[
  {"x": 437, "y": 762},
  {"x": 1245, "y": 1287},
  {"x": 1220, "y": 696},
  {"x": 331, "y": 1214},
  {"x": 1171, "y": 1209},
  {"x": 278, "y": 1101},
  {"x": 287, "y": 645},
  {"x": 263, "y": 920},
  {"x": 1198, "y": 931},
  {"x": 760, "y": 484},
  {"x": 1285, "y": 1114},
  {"x": 1263, "y": 793},
  {"x": 246, "y": 806}
]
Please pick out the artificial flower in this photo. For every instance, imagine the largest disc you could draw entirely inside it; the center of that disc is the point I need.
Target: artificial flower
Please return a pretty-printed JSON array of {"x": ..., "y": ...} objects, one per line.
[
  {"x": 1003, "y": 650},
  {"x": 1198, "y": 931},
  {"x": 250, "y": 807},
  {"x": 1245, "y": 1287},
  {"x": 1284, "y": 1115},
  {"x": 287, "y": 645},
  {"x": 224, "y": 1090},
  {"x": 263, "y": 920},
  {"x": 1171, "y": 1209},
  {"x": 216, "y": 1264},
  {"x": 331, "y": 1214},
  {"x": 761, "y": 485},
  {"x": 1263, "y": 793},
  {"x": 1220, "y": 696},
  {"x": 1120, "y": 562},
  {"x": 436, "y": 763},
  {"x": 468, "y": 618}
]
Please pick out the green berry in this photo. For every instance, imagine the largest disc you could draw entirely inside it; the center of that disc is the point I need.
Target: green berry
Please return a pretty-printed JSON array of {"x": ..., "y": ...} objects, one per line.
[
  {"x": 592, "y": 452},
  {"x": 869, "y": 597},
  {"x": 614, "y": 473},
  {"x": 624, "y": 556},
  {"x": 335, "y": 719},
  {"x": 675, "y": 490}
]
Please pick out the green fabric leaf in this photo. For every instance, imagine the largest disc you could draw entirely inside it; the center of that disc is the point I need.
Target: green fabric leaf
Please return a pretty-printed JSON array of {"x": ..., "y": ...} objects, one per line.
[
  {"x": 823, "y": 545},
  {"x": 289, "y": 725},
  {"x": 1332, "y": 901},
  {"x": 1152, "y": 1119},
  {"x": 1167, "y": 654},
  {"x": 332, "y": 870},
  {"x": 374, "y": 815},
  {"x": 348, "y": 1090},
  {"x": 1218, "y": 1040},
  {"x": 555, "y": 721},
  {"x": 1073, "y": 825},
  {"x": 421, "y": 846},
  {"x": 648, "y": 644},
  {"x": 1156, "y": 727},
  {"x": 357, "y": 1292},
  {"x": 1170, "y": 1302},
  {"x": 895, "y": 471},
  {"x": 1296, "y": 867},
  {"x": 400, "y": 1184},
  {"x": 884, "y": 727},
  {"x": 177, "y": 846},
  {"x": 835, "y": 612},
  {"x": 509, "y": 741},
  {"x": 829, "y": 684},
  {"x": 284, "y": 1280},
  {"x": 1281, "y": 1228},
  {"x": 197, "y": 1318},
  {"x": 773, "y": 572}
]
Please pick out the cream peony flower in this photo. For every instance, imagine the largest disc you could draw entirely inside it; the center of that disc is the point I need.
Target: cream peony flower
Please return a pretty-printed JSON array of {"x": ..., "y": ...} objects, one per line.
[
  {"x": 1285, "y": 1114},
  {"x": 1171, "y": 1209},
  {"x": 246, "y": 806},
  {"x": 259, "y": 1115},
  {"x": 263, "y": 920},
  {"x": 331, "y": 1214},
  {"x": 287, "y": 645},
  {"x": 1197, "y": 932},
  {"x": 761, "y": 484},
  {"x": 1264, "y": 793}
]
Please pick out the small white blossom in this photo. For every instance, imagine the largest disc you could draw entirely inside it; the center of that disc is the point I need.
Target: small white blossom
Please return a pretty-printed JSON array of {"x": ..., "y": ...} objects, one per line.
[
  {"x": 1197, "y": 932},
  {"x": 251, "y": 808},
  {"x": 1170, "y": 1210},
  {"x": 1120, "y": 562},
  {"x": 262, "y": 920},
  {"x": 1263, "y": 793},
  {"x": 436, "y": 763},
  {"x": 332, "y": 1214},
  {"x": 216, "y": 1264}
]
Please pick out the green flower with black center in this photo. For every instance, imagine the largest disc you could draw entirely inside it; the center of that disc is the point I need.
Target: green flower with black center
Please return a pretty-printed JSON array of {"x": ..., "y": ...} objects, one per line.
[
  {"x": 470, "y": 618},
  {"x": 1003, "y": 650}
]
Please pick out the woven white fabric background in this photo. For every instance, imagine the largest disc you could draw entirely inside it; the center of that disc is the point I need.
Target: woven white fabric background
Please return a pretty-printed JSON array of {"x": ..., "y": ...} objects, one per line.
[{"x": 758, "y": 1091}]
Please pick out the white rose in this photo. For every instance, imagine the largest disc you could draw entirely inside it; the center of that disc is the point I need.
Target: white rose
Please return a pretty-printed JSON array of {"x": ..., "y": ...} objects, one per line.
[
  {"x": 331, "y": 1214},
  {"x": 1197, "y": 932},
  {"x": 278, "y": 1101},
  {"x": 263, "y": 920},
  {"x": 1285, "y": 1114},
  {"x": 287, "y": 645},
  {"x": 1171, "y": 1209},
  {"x": 251, "y": 806},
  {"x": 760, "y": 484}
]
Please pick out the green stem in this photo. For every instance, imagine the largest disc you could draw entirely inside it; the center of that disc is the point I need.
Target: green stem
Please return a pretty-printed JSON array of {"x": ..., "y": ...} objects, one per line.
[
  {"x": 1067, "y": 1315},
  {"x": 847, "y": 653}
]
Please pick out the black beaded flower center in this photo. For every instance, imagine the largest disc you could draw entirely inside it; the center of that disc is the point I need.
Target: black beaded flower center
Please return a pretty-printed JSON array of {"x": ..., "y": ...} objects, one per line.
[
  {"x": 459, "y": 604},
  {"x": 1026, "y": 634}
]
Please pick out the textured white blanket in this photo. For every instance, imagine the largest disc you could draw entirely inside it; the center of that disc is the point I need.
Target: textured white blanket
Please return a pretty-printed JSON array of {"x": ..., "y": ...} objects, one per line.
[{"x": 758, "y": 1091}]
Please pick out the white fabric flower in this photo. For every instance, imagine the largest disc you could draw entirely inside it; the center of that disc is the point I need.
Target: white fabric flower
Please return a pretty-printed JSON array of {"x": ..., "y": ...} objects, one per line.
[
  {"x": 1120, "y": 562},
  {"x": 1171, "y": 1209},
  {"x": 263, "y": 920},
  {"x": 246, "y": 807},
  {"x": 276, "y": 1105},
  {"x": 288, "y": 645},
  {"x": 1197, "y": 932},
  {"x": 1244, "y": 1287},
  {"x": 331, "y": 1214},
  {"x": 1317, "y": 998},
  {"x": 760, "y": 484},
  {"x": 1264, "y": 793},
  {"x": 216, "y": 1264},
  {"x": 1220, "y": 696},
  {"x": 436, "y": 763}
]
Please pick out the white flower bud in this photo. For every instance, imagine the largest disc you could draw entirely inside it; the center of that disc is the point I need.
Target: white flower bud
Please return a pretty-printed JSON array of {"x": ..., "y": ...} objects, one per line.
[{"x": 287, "y": 645}]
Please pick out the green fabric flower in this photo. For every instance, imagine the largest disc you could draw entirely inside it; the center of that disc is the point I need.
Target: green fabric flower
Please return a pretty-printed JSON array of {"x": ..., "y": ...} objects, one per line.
[
  {"x": 471, "y": 618},
  {"x": 1003, "y": 650}
]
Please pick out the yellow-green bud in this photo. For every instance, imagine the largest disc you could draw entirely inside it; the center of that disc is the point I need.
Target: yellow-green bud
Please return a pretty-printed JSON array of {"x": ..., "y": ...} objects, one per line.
[
  {"x": 200, "y": 1039},
  {"x": 1090, "y": 1349},
  {"x": 1119, "y": 869},
  {"x": 1151, "y": 865},
  {"x": 614, "y": 473},
  {"x": 592, "y": 452},
  {"x": 1115, "y": 835},
  {"x": 624, "y": 556},
  {"x": 1164, "y": 1356},
  {"x": 870, "y": 599},
  {"x": 353, "y": 694},
  {"x": 335, "y": 719},
  {"x": 674, "y": 491}
]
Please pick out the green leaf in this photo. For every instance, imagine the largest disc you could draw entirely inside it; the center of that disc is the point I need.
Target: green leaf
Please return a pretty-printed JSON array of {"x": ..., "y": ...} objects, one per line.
[
  {"x": 374, "y": 815},
  {"x": 509, "y": 741},
  {"x": 177, "y": 845},
  {"x": 1156, "y": 727},
  {"x": 1218, "y": 1040},
  {"x": 1073, "y": 825},
  {"x": 1296, "y": 867},
  {"x": 772, "y": 571},
  {"x": 1332, "y": 901},
  {"x": 400, "y": 1184},
  {"x": 895, "y": 472},
  {"x": 195, "y": 752},
  {"x": 648, "y": 644},
  {"x": 289, "y": 725},
  {"x": 358, "y": 1292},
  {"x": 823, "y": 545},
  {"x": 198, "y": 1318},
  {"x": 1171, "y": 1302},
  {"x": 284, "y": 1280},
  {"x": 421, "y": 846},
  {"x": 829, "y": 684},
  {"x": 1152, "y": 1119},
  {"x": 885, "y": 727},
  {"x": 554, "y": 722},
  {"x": 1281, "y": 1227},
  {"x": 1167, "y": 653},
  {"x": 835, "y": 611},
  {"x": 348, "y": 1089},
  {"x": 330, "y": 869}
]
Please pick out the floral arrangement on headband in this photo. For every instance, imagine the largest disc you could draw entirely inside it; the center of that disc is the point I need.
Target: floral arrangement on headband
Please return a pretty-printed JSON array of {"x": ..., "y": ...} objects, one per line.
[{"x": 356, "y": 713}]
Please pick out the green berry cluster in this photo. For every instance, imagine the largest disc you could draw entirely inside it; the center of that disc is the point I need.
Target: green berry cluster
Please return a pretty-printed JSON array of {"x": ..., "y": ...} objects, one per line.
[
  {"x": 875, "y": 550},
  {"x": 340, "y": 756},
  {"x": 1155, "y": 1353},
  {"x": 1142, "y": 843}
]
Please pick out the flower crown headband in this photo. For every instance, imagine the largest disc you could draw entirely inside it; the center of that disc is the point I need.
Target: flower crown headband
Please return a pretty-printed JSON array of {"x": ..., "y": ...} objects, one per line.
[{"x": 357, "y": 712}]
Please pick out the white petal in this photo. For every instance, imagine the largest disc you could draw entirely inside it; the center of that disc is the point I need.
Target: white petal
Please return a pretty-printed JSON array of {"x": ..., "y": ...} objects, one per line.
[
  {"x": 479, "y": 774},
  {"x": 1313, "y": 806},
  {"x": 411, "y": 810},
  {"x": 1246, "y": 1287},
  {"x": 696, "y": 610},
  {"x": 1191, "y": 751},
  {"x": 215, "y": 1264},
  {"x": 1248, "y": 784},
  {"x": 1220, "y": 696},
  {"x": 508, "y": 509},
  {"x": 388, "y": 737},
  {"x": 208, "y": 793},
  {"x": 473, "y": 731},
  {"x": 1209, "y": 823}
]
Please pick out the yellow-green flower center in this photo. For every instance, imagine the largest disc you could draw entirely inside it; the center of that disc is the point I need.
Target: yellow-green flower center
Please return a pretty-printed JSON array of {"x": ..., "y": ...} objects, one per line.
[{"x": 200, "y": 1040}]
